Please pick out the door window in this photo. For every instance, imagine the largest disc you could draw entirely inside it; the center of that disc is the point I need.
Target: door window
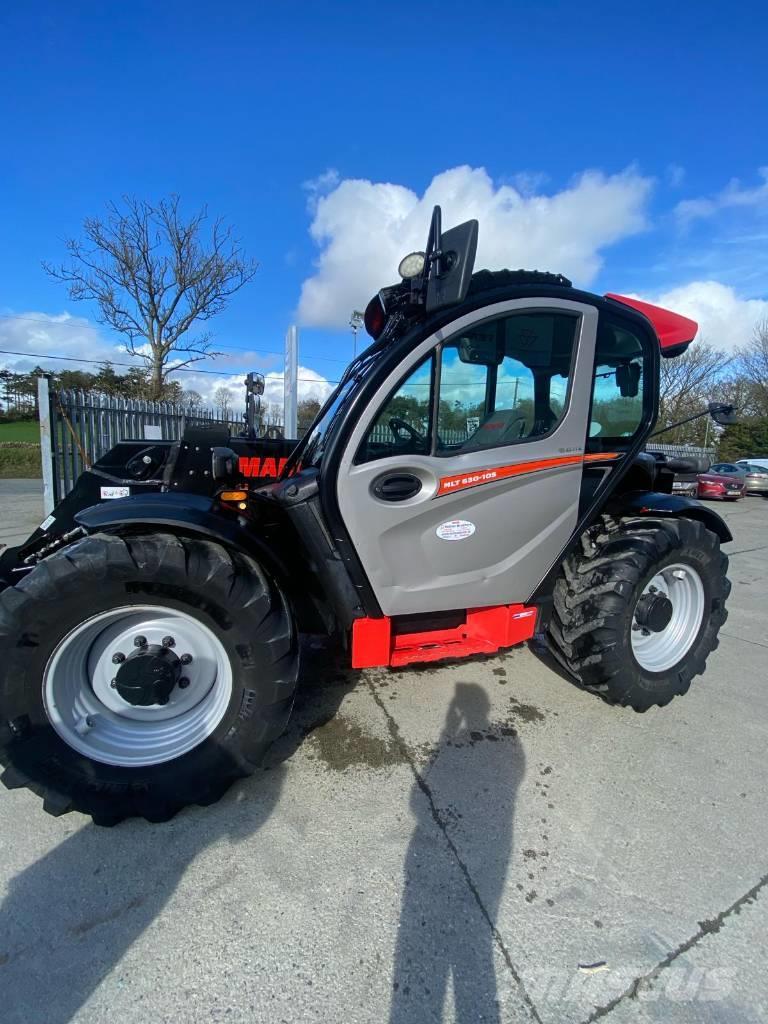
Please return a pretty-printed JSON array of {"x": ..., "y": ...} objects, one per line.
[
  {"x": 617, "y": 391},
  {"x": 505, "y": 381},
  {"x": 502, "y": 382}
]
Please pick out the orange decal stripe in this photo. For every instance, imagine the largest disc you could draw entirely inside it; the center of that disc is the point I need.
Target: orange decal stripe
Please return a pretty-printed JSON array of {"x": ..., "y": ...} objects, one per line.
[
  {"x": 602, "y": 456},
  {"x": 478, "y": 477}
]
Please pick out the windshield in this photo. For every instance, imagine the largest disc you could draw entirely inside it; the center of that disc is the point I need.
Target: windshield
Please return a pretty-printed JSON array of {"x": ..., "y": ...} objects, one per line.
[{"x": 309, "y": 451}]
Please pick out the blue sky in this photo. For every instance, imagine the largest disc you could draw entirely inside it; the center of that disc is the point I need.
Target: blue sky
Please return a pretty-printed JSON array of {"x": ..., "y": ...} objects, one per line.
[{"x": 241, "y": 105}]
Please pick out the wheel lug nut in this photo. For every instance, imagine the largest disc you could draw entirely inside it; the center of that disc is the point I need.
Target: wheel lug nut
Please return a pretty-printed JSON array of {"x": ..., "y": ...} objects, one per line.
[
  {"x": 168, "y": 641},
  {"x": 653, "y": 590},
  {"x": 186, "y": 659},
  {"x": 646, "y": 632},
  {"x": 183, "y": 683},
  {"x": 139, "y": 641},
  {"x": 118, "y": 658},
  {"x": 113, "y": 683}
]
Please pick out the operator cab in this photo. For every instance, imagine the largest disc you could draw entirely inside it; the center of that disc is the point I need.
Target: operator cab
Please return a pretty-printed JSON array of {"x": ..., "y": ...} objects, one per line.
[{"x": 507, "y": 402}]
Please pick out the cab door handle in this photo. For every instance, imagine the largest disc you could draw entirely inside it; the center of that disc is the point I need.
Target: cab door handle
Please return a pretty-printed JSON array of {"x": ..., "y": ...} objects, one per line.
[{"x": 396, "y": 486}]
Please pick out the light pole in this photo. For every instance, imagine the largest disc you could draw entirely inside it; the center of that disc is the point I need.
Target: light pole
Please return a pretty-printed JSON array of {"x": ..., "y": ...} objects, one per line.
[{"x": 355, "y": 322}]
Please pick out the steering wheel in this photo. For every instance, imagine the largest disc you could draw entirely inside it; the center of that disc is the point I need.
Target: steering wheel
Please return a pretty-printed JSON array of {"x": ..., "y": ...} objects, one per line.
[
  {"x": 396, "y": 424},
  {"x": 521, "y": 420}
]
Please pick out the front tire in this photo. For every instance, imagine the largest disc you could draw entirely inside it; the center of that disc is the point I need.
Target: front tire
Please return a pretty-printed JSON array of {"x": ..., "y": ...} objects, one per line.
[
  {"x": 86, "y": 737},
  {"x": 638, "y": 607}
]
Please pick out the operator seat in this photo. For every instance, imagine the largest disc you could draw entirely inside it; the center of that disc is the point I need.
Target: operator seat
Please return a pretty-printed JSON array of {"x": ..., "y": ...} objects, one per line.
[{"x": 497, "y": 427}]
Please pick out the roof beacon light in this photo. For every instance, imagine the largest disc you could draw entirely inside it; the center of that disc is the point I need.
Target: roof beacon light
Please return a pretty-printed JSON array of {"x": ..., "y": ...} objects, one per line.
[{"x": 411, "y": 265}]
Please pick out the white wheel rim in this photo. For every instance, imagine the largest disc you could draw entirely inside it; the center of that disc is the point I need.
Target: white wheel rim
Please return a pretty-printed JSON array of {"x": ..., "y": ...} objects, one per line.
[
  {"x": 660, "y": 651},
  {"x": 91, "y": 716}
]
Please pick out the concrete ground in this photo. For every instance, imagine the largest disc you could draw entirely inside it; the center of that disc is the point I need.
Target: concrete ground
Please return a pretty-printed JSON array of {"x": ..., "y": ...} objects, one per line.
[
  {"x": 476, "y": 842},
  {"x": 21, "y": 510}
]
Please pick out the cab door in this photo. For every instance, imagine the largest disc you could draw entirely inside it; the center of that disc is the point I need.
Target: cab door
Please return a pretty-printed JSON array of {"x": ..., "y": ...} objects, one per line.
[{"x": 460, "y": 483}]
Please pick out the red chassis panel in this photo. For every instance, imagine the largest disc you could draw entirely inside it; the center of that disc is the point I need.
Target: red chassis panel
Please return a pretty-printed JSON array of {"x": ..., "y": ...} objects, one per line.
[{"x": 485, "y": 631}]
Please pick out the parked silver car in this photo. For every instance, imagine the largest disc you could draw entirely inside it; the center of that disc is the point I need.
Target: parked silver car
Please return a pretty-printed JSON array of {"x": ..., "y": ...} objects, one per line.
[{"x": 756, "y": 477}]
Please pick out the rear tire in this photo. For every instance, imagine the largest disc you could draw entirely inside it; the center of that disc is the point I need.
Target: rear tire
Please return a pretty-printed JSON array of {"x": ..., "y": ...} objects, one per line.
[
  {"x": 55, "y": 629},
  {"x": 595, "y": 631}
]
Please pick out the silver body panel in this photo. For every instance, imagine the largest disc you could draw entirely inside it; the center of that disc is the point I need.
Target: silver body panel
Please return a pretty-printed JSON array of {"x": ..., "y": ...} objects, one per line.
[{"x": 520, "y": 523}]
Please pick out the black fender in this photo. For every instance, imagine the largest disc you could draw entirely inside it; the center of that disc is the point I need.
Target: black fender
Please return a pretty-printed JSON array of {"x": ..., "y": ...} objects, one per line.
[
  {"x": 652, "y": 503},
  {"x": 193, "y": 511},
  {"x": 198, "y": 515}
]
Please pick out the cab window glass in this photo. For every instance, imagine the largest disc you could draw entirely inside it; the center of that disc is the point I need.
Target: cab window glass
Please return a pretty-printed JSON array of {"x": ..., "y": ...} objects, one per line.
[
  {"x": 504, "y": 381},
  {"x": 617, "y": 390},
  {"x": 402, "y": 427}
]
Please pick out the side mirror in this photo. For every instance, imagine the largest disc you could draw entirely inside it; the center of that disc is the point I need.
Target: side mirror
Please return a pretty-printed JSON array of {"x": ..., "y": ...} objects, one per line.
[
  {"x": 724, "y": 415},
  {"x": 628, "y": 379},
  {"x": 458, "y": 248}
]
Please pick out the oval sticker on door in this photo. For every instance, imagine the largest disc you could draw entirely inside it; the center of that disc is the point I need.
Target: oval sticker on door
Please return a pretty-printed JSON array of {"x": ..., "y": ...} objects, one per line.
[{"x": 455, "y": 529}]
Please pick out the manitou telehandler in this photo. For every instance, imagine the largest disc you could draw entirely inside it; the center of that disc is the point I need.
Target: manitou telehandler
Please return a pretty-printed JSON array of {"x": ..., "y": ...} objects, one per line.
[{"x": 477, "y": 479}]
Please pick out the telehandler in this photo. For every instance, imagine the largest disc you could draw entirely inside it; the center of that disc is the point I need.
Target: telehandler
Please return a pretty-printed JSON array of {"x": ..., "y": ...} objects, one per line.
[{"x": 477, "y": 479}]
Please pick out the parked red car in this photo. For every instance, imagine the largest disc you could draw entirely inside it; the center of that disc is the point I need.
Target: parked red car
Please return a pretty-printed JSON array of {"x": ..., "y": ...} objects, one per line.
[{"x": 724, "y": 481}]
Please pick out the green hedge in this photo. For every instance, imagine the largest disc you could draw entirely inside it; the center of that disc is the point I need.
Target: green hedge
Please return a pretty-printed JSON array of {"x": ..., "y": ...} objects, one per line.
[{"x": 19, "y": 459}]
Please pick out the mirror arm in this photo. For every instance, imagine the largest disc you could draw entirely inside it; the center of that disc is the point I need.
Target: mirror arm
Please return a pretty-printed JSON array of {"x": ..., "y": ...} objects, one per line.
[
  {"x": 680, "y": 423},
  {"x": 432, "y": 259}
]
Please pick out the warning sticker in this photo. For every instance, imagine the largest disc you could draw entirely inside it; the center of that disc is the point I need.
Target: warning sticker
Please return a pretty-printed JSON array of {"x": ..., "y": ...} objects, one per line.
[
  {"x": 115, "y": 492},
  {"x": 455, "y": 529}
]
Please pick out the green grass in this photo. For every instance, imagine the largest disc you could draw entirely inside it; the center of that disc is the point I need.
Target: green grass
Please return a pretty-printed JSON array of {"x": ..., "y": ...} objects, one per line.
[
  {"x": 23, "y": 430},
  {"x": 19, "y": 459}
]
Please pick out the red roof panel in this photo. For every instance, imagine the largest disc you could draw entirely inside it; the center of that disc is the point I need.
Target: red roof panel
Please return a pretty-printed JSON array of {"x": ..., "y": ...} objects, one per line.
[{"x": 673, "y": 330}]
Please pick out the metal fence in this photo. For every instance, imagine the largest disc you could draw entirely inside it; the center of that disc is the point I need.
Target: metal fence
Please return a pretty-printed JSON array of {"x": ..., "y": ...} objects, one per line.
[
  {"x": 681, "y": 450},
  {"x": 382, "y": 434},
  {"x": 77, "y": 428}
]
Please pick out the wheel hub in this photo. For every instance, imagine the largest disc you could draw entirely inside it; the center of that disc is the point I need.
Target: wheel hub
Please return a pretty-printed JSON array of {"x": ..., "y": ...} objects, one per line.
[
  {"x": 115, "y": 689},
  {"x": 668, "y": 617},
  {"x": 654, "y": 612},
  {"x": 148, "y": 676}
]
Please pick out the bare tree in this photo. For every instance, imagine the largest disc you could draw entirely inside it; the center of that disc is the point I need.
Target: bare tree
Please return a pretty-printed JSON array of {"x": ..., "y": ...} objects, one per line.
[
  {"x": 686, "y": 384},
  {"x": 191, "y": 398},
  {"x": 222, "y": 399},
  {"x": 154, "y": 275},
  {"x": 752, "y": 365}
]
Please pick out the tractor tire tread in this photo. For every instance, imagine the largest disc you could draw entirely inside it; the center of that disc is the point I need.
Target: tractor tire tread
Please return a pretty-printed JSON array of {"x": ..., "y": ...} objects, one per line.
[
  {"x": 162, "y": 563},
  {"x": 593, "y": 603}
]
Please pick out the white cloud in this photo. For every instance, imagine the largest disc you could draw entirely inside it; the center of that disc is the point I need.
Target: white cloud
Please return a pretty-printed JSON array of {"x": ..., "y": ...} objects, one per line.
[
  {"x": 675, "y": 175},
  {"x": 47, "y": 336},
  {"x": 311, "y": 384},
  {"x": 725, "y": 319},
  {"x": 321, "y": 186},
  {"x": 734, "y": 195},
  {"x": 61, "y": 335},
  {"x": 364, "y": 228}
]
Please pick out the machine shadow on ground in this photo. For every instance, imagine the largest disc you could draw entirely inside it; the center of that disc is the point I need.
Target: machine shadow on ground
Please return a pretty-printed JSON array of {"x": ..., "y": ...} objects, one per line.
[
  {"x": 446, "y": 929},
  {"x": 70, "y": 918}
]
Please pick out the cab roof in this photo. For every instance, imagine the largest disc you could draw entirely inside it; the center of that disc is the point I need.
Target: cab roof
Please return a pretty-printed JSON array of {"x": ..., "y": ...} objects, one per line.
[{"x": 674, "y": 331}]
